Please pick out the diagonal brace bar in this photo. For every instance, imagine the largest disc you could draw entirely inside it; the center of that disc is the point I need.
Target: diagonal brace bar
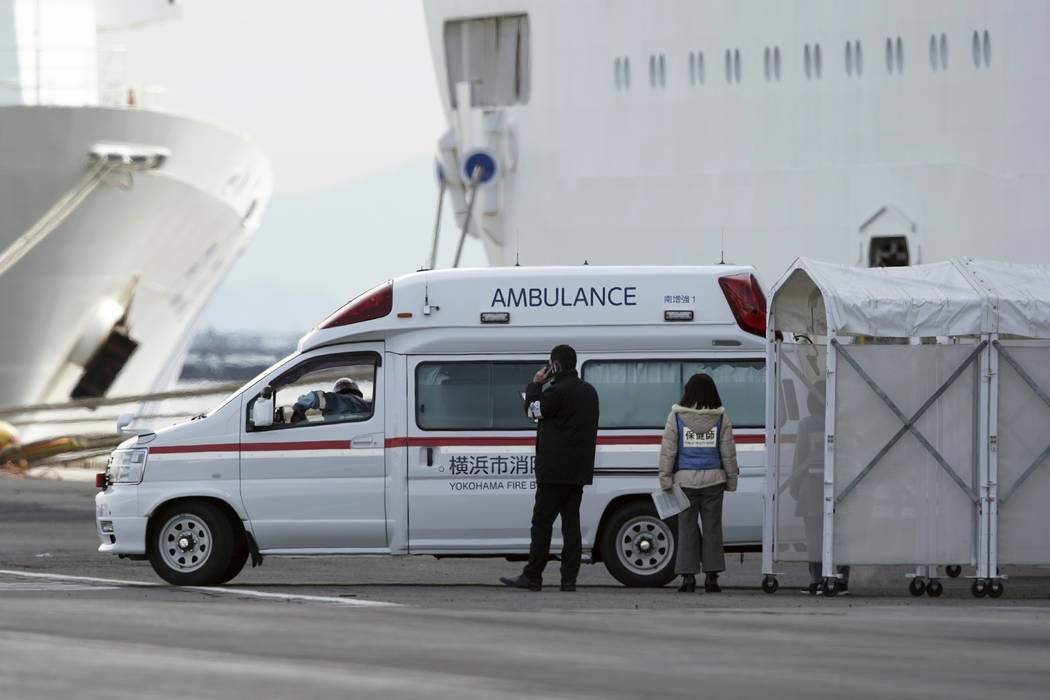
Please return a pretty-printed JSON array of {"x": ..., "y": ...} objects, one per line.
[
  {"x": 908, "y": 424},
  {"x": 1038, "y": 392}
]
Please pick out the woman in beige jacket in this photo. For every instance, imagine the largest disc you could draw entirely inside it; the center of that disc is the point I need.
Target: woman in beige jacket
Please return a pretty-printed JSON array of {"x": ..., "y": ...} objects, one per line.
[{"x": 699, "y": 455}]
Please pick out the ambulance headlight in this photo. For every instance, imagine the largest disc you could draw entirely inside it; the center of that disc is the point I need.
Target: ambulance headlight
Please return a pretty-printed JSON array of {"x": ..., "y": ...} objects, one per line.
[{"x": 127, "y": 466}]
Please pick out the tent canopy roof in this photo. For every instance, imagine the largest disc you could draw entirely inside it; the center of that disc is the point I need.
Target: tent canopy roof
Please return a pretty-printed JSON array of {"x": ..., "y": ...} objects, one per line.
[{"x": 962, "y": 297}]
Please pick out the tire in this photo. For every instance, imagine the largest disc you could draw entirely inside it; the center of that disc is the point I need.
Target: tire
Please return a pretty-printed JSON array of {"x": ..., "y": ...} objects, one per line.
[
  {"x": 979, "y": 589},
  {"x": 237, "y": 561},
  {"x": 191, "y": 544},
  {"x": 638, "y": 548},
  {"x": 953, "y": 570},
  {"x": 770, "y": 584},
  {"x": 934, "y": 588},
  {"x": 917, "y": 586},
  {"x": 995, "y": 588},
  {"x": 831, "y": 586}
]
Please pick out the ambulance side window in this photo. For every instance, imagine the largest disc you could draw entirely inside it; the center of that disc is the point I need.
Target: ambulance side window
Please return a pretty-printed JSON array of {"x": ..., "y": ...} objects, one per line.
[
  {"x": 639, "y": 393},
  {"x": 482, "y": 395},
  {"x": 324, "y": 390}
]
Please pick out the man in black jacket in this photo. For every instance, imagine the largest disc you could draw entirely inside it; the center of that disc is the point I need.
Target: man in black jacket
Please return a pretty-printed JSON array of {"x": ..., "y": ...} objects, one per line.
[{"x": 568, "y": 429}]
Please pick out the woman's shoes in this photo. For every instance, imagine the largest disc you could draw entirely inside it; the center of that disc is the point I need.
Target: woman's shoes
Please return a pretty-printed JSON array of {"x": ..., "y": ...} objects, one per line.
[
  {"x": 688, "y": 584},
  {"x": 711, "y": 584}
]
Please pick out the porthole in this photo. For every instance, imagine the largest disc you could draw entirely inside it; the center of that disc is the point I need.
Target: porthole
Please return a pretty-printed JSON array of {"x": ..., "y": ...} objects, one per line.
[
  {"x": 776, "y": 62},
  {"x": 858, "y": 59},
  {"x": 900, "y": 55},
  {"x": 736, "y": 64},
  {"x": 889, "y": 55},
  {"x": 616, "y": 72},
  {"x": 816, "y": 60},
  {"x": 944, "y": 52},
  {"x": 663, "y": 70},
  {"x": 807, "y": 60},
  {"x": 933, "y": 52},
  {"x": 700, "y": 67},
  {"x": 849, "y": 58},
  {"x": 987, "y": 50}
]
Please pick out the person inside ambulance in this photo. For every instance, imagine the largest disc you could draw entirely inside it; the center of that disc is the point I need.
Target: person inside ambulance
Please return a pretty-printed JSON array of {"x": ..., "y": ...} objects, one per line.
[{"x": 344, "y": 401}]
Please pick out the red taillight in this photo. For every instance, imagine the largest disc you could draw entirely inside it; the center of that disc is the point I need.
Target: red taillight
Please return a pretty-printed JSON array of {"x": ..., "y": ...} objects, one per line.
[
  {"x": 101, "y": 481},
  {"x": 746, "y": 300},
  {"x": 375, "y": 303}
]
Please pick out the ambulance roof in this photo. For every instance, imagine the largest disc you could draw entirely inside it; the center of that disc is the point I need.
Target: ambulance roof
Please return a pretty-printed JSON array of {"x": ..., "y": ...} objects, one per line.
[{"x": 486, "y": 299}]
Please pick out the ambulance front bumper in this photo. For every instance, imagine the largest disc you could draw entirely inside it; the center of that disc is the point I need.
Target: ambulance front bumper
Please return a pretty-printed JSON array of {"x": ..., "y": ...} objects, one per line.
[{"x": 120, "y": 528}]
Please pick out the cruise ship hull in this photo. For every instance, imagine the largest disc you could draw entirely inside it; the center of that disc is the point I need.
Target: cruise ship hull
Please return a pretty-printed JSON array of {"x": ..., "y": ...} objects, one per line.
[
  {"x": 869, "y": 133},
  {"x": 136, "y": 258}
]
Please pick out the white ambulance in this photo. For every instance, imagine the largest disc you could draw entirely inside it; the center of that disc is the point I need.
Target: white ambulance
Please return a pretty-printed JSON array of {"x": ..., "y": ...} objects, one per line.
[{"x": 437, "y": 455}]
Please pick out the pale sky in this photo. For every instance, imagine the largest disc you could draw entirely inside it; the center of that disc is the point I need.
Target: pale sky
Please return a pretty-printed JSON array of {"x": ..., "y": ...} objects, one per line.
[
  {"x": 342, "y": 97},
  {"x": 332, "y": 90}
]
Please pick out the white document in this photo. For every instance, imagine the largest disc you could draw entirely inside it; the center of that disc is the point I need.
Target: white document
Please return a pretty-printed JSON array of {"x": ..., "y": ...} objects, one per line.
[{"x": 671, "y": 502}]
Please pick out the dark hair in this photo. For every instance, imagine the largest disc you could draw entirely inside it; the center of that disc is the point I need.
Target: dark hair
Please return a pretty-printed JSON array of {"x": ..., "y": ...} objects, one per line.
[
  {"x": 565, "y": 356},
  {"x": 700, "y": 392}
]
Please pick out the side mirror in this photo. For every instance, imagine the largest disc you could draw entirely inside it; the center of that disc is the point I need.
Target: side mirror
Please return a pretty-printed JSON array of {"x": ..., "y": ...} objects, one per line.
[
  {"x": 262, "y": 409},
  {"x": 123, "y": 421}
]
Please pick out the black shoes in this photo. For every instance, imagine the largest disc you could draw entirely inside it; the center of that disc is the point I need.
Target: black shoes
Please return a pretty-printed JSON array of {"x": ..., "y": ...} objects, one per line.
[
  {"x": 711, "y": 584},
  {"x": 814, "y": 589},
  {"x": 688, "y": 584},
  {"x": 522, "y": 582}
]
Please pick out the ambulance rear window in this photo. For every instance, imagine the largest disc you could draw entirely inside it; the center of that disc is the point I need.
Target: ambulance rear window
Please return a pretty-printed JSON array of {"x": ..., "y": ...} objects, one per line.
[
  {"x": 639, "y": 393},
  {"x": 482, "y": 395}
]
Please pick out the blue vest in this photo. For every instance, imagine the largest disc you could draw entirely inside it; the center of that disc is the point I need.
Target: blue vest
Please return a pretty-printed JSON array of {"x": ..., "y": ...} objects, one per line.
[{"x": 698, "y": 450}]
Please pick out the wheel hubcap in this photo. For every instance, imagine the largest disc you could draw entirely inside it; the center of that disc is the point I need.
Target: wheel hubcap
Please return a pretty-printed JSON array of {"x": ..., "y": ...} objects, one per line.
[
  {"x": 184, "y": 543},
  {"x": 644, "y": 545}
]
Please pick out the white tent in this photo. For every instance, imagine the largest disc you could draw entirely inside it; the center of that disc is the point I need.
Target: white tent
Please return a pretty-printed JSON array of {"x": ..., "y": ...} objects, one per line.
[
  {"x": 884, "y": 441},
  {"x": 956, "y": 298}
]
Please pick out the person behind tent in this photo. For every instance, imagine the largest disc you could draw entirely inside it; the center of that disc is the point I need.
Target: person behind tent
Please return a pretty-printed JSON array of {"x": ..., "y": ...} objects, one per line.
[
  {"x": 345, "y": 399},
  {"x": 697, "y": 453},
  {"x": 806, "y": 486}
]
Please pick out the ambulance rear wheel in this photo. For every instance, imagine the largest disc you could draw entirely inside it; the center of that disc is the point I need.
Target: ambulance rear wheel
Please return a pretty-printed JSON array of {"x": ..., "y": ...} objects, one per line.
[
  {"x": 638, "y": 548},
  {"x": 191, "y": 544}
]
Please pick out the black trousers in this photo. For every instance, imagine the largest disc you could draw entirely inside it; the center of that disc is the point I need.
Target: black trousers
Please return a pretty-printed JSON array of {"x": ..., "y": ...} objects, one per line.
[{"x": 553, "y": 500}]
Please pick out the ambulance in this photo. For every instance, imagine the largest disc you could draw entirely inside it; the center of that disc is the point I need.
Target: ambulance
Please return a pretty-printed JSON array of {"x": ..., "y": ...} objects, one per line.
[{"x": 438, "y": 457}]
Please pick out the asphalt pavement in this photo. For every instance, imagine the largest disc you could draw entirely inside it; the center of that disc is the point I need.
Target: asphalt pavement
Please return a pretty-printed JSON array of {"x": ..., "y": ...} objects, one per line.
[{"x": 77, "y": 623}]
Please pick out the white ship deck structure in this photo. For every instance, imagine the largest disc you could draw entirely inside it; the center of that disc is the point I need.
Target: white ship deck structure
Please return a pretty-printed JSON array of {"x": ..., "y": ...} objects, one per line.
[{"x": 885, "y": 132}]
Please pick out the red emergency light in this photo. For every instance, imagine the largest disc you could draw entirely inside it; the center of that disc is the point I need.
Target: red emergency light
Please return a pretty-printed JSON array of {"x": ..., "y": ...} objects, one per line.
[{"x": 375, "y": 303}]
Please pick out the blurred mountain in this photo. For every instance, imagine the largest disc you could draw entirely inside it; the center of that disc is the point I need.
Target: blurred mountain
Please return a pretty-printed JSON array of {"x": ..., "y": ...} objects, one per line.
[{"x": 314, "y": 252}]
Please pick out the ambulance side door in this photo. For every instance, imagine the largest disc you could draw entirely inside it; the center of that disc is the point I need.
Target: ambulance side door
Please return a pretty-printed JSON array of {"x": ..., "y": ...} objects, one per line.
[
  {"x": 315, "y": 480},
  {"x": 471, "y": 454}
]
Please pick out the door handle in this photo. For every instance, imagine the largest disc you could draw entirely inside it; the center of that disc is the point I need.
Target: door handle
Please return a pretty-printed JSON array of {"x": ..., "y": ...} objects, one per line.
[{"x": 366, "y": 441}]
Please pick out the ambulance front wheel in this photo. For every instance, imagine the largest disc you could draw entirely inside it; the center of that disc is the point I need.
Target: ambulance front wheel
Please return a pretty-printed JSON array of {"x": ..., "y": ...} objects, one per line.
[
  {"x": 192, "y": 544},
  {"x": 638, "y": 548}
]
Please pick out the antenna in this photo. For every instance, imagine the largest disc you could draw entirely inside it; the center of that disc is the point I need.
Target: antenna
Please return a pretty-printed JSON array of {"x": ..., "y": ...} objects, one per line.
[
  {"x": 723, "y": 262},
  {"x": 517, "y": 248}
]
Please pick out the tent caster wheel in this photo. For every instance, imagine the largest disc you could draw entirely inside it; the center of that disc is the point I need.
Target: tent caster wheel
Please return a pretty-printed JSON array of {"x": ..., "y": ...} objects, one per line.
[
  {"x": 934, "y": 588},
  {"x": 770, "y": 584},
  {"x": 917, "y": 586},
  {"x": 953, "y": 570}
]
